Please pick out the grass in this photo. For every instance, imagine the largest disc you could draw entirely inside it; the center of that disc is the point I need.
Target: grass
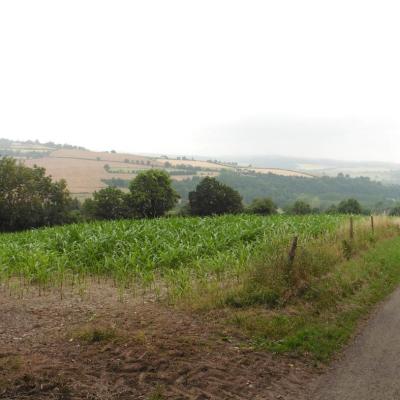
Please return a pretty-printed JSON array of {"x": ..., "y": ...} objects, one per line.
[
  {"x": 157, "y": 394},
  {"x": 238, "y": 264},
  {"x": 322, "y": 319},
  {"x": 10, "y": 363},
  {"x": 95, "y": 334}
]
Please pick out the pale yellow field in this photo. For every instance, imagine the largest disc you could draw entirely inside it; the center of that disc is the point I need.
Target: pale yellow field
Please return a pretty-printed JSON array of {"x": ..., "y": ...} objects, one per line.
[
  {"x": 82, "y": 176},
  {"x": 103, "y": 156},
  {"x": 278, "y": 171},
  {"x": 84, "y": 170},
  {"x": 194, "y": 163}
]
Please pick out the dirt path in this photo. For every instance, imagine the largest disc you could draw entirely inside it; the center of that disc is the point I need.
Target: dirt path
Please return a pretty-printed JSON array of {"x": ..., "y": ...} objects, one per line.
[
  {"x": 370, "y": 367},
  {"x": 158, "y": 353}
]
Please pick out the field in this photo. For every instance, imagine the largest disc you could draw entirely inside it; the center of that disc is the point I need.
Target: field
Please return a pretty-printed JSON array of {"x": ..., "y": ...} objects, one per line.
[
  {"x": 176, "y": 249},
  {"x": 279, "y": 171},
  {"x": 82, "y": 176},
  {"x": 84, "y": 169},
  {"x": 186, "y": 308}
]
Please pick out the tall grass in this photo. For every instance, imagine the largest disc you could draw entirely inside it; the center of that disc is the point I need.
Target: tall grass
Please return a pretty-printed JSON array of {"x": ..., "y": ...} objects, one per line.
[
  {"x": 314, "y": 309},
  {"x": 272, "y": 280}
]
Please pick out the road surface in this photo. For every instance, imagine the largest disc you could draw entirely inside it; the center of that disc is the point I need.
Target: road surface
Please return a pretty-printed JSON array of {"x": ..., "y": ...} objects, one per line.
[{"x": 370, "y": 367}]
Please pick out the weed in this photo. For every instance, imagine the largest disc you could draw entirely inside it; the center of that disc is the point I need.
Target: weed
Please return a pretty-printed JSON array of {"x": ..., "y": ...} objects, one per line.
[
  {"x": 157, "y": 394},
  {"x": 95, "y": 334}
]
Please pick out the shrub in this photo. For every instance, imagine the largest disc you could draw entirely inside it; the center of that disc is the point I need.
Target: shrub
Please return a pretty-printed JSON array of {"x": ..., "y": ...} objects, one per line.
[
  {"x": 349, "y": 206},
  {"x": 263, "y": 206},
  {"x": 300, "y": 208},
  {"x": 108, "y": 204}
]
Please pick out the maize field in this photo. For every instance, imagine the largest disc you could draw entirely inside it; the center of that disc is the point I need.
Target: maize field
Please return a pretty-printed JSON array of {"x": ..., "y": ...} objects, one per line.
[{"x": 142, "y": 251}]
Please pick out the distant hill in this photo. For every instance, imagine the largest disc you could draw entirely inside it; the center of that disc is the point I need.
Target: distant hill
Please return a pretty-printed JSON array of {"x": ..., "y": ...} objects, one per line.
[
  {"x": 282, "y": 178},
  {"x": 381, "y": 171},
  {"x": 87, "y": 171}
]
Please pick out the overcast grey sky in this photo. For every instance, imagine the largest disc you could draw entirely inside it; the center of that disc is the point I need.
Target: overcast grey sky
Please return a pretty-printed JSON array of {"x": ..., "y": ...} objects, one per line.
[{"x": 307, "y": 78}]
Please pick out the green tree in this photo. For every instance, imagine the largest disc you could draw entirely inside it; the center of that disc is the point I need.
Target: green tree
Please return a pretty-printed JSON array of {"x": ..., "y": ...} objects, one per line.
[
  {"x": 262, "y": 206},
  {"x": 300, "y": 208},
  {"x": 151, "y": 194},
  {"x": 212, "y": 197},
  {"x": 349, "y": 206},
  {"x": 109, "y": 203},
  {"x": 29, "y": 198}
]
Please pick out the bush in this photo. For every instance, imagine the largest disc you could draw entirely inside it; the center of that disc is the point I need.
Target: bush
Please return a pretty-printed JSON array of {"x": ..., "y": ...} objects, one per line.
[
  {"x": 108, "y": 204},
  {"x": 300, "y": 208},
  {"x": 349, "y": 206},
  {"x": 263, "y": 206}
]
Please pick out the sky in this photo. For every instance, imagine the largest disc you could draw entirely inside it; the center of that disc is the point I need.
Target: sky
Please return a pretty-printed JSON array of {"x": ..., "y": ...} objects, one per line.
[{"x": 221, "y": 77}]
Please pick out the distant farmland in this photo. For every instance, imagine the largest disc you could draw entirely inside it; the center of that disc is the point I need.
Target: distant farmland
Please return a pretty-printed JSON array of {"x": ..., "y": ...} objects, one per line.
[{"x": 87, "y": 171}]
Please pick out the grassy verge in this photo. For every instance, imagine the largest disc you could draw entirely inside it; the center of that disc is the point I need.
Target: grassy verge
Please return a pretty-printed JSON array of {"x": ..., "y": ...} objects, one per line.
[{"x": 324, "y": 315}]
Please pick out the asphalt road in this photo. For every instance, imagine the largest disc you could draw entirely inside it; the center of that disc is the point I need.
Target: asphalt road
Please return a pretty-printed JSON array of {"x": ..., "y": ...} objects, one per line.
[{"x": 370, "y": 367}]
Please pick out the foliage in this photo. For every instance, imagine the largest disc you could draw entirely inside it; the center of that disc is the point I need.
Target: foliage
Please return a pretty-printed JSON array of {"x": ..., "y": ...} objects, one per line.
[
  {"x": 349, "y": 206},
  {"x": 152, "y": 194},
  {"x": 318, "y": 192},
  {"x": 264, "y": 206},
  {"x": 214, "y": 198},
  {"x": 327, "y": 310},
  {"x": 30, "y": 199},
  {"x": 332, "y": 209},
  {"x": 109, "y": 203},
  {"x": 30, "y": 148},
  {"x": 117, "y": 182},
  {"x": 300, "y": 208},
  {"x": 395, "y": 211}
]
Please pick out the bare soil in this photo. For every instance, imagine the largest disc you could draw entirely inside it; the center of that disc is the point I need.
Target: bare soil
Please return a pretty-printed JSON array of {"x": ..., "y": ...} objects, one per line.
[{"x": 156, "y": 352}]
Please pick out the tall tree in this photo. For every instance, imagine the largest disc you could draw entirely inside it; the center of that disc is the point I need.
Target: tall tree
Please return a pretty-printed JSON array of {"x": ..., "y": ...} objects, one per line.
[
  {"x": 29, "y": 198},
  {"x": 151, "y": 194},
  {"x": 212, "y": 197}
]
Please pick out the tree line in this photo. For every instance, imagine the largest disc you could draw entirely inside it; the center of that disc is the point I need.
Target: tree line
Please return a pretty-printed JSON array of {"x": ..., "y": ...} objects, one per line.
[
  {"x": 319, "y": 192},
  {"x": 30, "y": 199}
]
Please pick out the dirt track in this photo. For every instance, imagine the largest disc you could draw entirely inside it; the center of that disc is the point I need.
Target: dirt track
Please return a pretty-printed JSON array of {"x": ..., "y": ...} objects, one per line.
[
  {"x": 370, "y": 367},
  {"x": 159, "y": 353}
]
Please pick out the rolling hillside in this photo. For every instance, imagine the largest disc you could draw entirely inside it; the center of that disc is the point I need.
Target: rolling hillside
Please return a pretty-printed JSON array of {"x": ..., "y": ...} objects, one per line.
[{"x": 87, "y": 171}]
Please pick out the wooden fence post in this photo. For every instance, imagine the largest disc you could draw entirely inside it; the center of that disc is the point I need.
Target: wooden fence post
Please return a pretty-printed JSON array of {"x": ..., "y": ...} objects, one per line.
[
  {"x": 372, "y": 224},
  {"x": 292, "y": 252},
  {"x": 351, "y": 228}
]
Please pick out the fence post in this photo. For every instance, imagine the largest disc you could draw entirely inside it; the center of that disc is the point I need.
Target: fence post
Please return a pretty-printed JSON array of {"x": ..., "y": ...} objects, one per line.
[
  {"x": 292, "y": 252},
  {"x": 351, "y": 228},
  {"x": 372, "y": 224}
]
